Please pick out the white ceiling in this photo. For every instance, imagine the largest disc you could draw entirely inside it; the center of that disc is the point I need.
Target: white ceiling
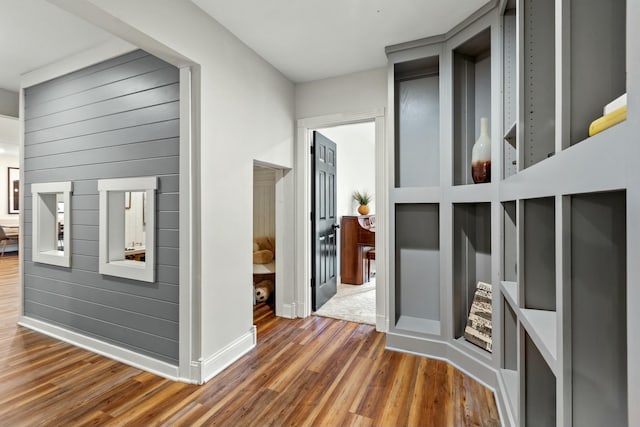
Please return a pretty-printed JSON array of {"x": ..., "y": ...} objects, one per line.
[
  {"x": 315, "y": 39},
  {"x": 34, "y": 33},
  {"x": 305, "y": 40}
]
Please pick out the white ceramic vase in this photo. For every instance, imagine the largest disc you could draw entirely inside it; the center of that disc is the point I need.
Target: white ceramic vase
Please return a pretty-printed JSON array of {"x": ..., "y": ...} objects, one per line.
[{"x": 481, "y": 155}]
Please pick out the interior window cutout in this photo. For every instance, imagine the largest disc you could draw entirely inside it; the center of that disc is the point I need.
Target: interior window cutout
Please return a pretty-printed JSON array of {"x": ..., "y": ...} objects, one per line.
[
  {"x": 51, "y": 212},
  {"x": 127, "y": 224}
]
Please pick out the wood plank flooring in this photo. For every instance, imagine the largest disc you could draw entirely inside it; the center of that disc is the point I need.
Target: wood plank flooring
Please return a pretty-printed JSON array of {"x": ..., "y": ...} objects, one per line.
[{"x": 304, "y": 372}]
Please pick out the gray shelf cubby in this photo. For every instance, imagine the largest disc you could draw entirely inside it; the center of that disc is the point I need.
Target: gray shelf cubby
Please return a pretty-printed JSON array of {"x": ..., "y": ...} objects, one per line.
[
  {"x": 510, "y": 242},
  {"x": 598, "y": 60},
  {"x": 539, "y": 388},
  {"x": 539, "y": 270},
  {"x": 417, "y": 130},
  {"x": 471, "y": 100},
  {"x": 539, "y": 109},
  {"x": 598, "y": 314},
  {"x": 417, "y": 267},
  {"x": 509, "y": 90},
  {"x": 471, "y": 257}
]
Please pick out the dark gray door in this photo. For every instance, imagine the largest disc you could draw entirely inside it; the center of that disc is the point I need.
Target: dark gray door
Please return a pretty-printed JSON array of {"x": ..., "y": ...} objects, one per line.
[{"x": 324, "y": 222}]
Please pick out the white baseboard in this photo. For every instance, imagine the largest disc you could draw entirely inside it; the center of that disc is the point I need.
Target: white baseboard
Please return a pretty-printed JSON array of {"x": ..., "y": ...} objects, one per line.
[
  {"x": 106, "y": 349},
  {"x": 211, "y": 366},
  {"x": 289, "y": 311},
  {"x": 382, "y": 324}
]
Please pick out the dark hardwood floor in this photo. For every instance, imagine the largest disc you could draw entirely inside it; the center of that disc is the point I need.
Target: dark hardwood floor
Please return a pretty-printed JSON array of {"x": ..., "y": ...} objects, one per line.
[{"x": 303, "y": 372}]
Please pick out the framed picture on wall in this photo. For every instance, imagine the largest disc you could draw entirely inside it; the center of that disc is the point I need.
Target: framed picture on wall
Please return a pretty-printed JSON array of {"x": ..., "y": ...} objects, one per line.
[{"x": 13, "y": 190}]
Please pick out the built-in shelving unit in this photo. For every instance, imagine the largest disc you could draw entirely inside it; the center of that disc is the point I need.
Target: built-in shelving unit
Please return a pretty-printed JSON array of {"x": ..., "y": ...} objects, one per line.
[
  {"x": 510, "y": 242},
  {"x": 417, "y": 265},
  {"x": 510, "y": 93},
  {"x": 552, "y": 232},
  {"x": 471, "y": 257},
  {"x": 599, "y": 309},
  {"x": 509, "y": 365},
  {"x": 471, "y": 100},
  {"x": 539, "y": 272},
  {"x": 538, "y": 81},
  {"x": 597, "y": 62},
  {"x": 417, "y": 108},
  {"x": 539, "y": 384}
]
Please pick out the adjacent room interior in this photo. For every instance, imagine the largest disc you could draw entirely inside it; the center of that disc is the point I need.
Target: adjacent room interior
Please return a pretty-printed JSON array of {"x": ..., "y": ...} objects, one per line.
[{"x": 355, "y": 299}]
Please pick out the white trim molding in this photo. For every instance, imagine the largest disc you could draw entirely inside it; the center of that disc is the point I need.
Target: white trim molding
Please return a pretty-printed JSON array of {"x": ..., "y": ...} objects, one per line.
[
  {"x": 45, "y": 223},
  {"x": 106, "y": 349},
  {"x": 112, "y": 224},
  {"x": 305, "y": 127},
  {"x": 205, "y": 369}
]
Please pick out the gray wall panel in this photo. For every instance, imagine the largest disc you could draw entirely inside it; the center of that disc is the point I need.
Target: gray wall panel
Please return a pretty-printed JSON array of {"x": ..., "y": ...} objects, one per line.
[
  {"x": 155, "y": 346},
  {"x": 152, "y": 114},
  {"x": 124, "y": 318},
  {"x": 132, "y": 168},
  {"x": 142, "y": 305},
  {"x": 165, "y": 289},
  {"x": 141, "y": 133},
  {"x": 46, "y": 90},
  {"x": 118, "y": 119},
  {"x": 85, "y": 217},
  {"x": 140, "y": 151},
  {"x": 122, "y": 71},
  {"x": 166, "y": 202},
  {"x": 84, "y": 247},
  {"x": 168, "y": 220},
  {"x": 158, "y": 78},
  {"x": 131, "y": 102}
]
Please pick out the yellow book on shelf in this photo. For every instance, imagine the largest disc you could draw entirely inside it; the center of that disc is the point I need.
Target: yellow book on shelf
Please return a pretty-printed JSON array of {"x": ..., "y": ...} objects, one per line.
[{"x": 606, "y": 121}]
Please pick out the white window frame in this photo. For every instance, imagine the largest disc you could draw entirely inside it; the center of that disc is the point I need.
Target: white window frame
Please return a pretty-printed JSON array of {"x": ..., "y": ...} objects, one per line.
[
  {"x": 111, "y": 230},
  {"x": 45, "y": 223}
]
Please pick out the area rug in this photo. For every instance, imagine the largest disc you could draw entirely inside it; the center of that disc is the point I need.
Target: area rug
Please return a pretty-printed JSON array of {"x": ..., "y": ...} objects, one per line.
[{"x": 355, "y": 303}]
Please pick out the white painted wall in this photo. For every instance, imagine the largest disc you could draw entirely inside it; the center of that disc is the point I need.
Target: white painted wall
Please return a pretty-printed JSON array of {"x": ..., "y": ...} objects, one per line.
[
  {"x": 352, "y": 93},
  {"x": 246, "y": 113},
  {"x": 134, "y": 226},
  {"x": 8, "y": 103},
  {"x": 356, "y": 168}
]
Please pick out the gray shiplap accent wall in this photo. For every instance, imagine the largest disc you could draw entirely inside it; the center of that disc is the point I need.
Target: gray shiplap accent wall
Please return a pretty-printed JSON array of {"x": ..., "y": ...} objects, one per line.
[{"x": 116, "y": 119}]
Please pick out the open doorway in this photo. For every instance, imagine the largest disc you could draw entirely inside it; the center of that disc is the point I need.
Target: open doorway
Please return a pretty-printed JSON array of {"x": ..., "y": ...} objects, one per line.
[
  {"x": 10, "y": 198},
  {"x": 355, "y": 172},
  {"x": 264, "y": 239}
]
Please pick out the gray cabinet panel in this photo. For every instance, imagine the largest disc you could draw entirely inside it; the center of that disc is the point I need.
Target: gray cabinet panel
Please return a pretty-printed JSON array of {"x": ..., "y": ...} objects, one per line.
[
  {"x": 599, "y": 314},
  {"x": 418, "y": 132}
]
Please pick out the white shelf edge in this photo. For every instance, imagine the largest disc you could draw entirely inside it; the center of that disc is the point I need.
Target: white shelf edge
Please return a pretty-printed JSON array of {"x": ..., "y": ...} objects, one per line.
[
  {"x": 419, "y": 325},
  {"x": 510, "y": 291},
  {"x": 541, "y": 326},
  {"x": 511, "y": 380},
  {"x": 510, "y": 135}
]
